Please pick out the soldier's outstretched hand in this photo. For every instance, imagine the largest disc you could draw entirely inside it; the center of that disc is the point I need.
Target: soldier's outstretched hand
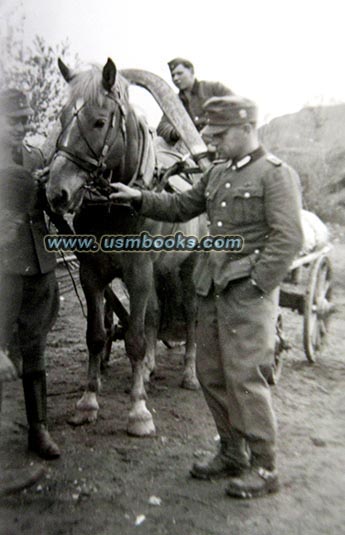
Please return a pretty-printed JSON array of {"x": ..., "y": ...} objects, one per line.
[{"x": 125, "y": 193}]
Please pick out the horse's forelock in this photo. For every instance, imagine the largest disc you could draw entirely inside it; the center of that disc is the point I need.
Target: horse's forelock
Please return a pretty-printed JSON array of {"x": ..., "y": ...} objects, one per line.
[{"x": 88, "y": 86}]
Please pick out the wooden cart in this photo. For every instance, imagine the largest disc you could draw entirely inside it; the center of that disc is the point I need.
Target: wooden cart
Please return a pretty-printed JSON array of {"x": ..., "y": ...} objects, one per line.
[{"x": 310, "y": 293}]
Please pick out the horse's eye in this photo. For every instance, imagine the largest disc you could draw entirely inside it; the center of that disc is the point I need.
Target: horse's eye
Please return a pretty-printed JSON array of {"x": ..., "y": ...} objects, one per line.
[{"x": 99, "y": 123}]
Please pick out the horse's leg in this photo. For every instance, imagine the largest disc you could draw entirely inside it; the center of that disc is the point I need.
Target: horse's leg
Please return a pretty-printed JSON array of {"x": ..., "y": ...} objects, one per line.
[
  {"x": 139, "y": 280},
  {"x": 189, "y": 379},
  {"x": 151, "y": 332},
  {"x": 87, "y": 407},
  {"x": 109, "y": 327}
]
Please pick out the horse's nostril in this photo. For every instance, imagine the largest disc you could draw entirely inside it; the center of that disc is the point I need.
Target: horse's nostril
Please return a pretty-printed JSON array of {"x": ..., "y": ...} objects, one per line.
[{"x": 60, "y": 199}]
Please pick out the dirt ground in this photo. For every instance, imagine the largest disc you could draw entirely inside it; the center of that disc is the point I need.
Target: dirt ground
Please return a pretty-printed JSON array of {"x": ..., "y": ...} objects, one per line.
[{"x": 107, "y": 482}]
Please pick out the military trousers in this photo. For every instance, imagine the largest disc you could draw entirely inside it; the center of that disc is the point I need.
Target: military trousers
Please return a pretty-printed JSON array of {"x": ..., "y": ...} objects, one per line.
[
  {"x": 28, "y": 307},
  {"x": 235, "y": 336}
]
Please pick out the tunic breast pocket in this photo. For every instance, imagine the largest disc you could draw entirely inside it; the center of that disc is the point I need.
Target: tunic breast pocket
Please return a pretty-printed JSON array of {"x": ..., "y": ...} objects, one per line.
[
  {"x": 209, "y": 196},
  {"x": 247, "y": 205}
]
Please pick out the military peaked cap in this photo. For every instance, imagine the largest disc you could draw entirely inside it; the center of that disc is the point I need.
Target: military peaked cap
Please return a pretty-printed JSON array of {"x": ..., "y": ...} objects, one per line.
[
  {"x": 223, "y": 112},
  {"x": 14, "y": 103},
  {"x": 180, "y": 61}
]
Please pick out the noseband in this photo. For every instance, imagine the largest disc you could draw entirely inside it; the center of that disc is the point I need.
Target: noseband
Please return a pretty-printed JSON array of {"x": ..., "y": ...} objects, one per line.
[{"x": 94, "y": 164}]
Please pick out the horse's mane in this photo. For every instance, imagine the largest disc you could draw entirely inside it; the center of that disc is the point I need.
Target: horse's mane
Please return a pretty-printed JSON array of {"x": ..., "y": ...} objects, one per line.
[{"x": 88, "y": 86}]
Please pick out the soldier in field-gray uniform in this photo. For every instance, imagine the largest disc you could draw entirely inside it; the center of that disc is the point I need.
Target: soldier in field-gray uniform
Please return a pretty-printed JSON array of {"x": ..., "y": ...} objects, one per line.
[
  {"x": 192, "y": 93},
  {"x": 252, "y": 194},
  {"x": 28, "y": 287}
]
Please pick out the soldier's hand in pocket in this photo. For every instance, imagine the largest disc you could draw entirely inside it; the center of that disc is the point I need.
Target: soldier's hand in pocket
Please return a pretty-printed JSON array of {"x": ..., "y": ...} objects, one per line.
[{"x": 250, "y": 288}]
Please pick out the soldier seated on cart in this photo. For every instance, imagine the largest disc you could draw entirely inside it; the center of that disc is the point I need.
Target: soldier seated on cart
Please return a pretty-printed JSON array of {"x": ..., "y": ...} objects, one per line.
[
  {"x": 192, "y": 93},
  {"x": 252, "y": 194}
]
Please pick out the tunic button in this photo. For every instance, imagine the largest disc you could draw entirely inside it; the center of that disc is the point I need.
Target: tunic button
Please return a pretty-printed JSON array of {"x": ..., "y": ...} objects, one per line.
[
  {"x": 207, "y": 194},
  {"x": 219, "y": 223},
  {"x": 247, "y": 195},
  {"x": 223, "y": 204},
  {"x": 257, "y": 251},
  {"x": 228, "y": 185}
]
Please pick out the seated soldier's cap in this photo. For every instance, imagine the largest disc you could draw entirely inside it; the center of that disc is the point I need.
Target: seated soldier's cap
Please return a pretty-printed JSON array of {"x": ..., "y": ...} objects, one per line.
[
  {"x": 14, "y": 103},
  {"x": 173, "y": 63},
  {"x": 223, "y": 112}
]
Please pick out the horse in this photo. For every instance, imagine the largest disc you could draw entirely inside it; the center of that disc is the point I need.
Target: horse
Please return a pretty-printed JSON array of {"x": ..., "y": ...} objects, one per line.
[{"x": 102, "y": 140}]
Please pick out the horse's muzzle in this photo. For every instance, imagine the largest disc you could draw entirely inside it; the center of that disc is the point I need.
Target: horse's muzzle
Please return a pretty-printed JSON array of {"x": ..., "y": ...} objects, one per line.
[
  {"x": 65, "y": 186},
  {"x": 59, "y": 203}
]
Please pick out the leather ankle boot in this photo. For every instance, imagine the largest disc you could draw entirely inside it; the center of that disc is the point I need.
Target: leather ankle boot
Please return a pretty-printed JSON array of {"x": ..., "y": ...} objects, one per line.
[
  {"x": 254, "y": 482},
  {"x": 223, "y": 464},
  {"x": 42, "y": 443},
  {"x": 35, "y": 394}
]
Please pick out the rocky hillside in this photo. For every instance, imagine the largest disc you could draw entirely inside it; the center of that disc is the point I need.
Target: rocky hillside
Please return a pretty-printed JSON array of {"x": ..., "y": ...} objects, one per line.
[{"x": 313, "y": 142}]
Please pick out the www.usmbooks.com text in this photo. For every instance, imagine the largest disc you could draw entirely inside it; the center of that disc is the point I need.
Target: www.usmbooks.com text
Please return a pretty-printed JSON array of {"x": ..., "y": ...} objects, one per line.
[{"x": 81, "y": 243}]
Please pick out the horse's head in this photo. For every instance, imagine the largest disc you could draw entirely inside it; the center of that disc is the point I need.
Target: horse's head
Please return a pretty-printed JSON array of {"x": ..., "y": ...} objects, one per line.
[{"x": 92, "y": 138}]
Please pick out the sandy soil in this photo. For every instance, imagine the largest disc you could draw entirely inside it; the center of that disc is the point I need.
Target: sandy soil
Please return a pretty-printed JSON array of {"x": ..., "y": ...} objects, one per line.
[{"x": 105, "y": 480}]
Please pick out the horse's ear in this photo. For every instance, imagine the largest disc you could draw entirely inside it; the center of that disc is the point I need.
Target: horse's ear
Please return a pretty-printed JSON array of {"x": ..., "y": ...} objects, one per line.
[
  {"x": 109, "y": 75},
  {"x": 65, "y": 71}
]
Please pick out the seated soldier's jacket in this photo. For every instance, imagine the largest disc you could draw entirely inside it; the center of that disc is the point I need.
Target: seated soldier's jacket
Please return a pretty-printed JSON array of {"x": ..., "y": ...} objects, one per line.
[
  {"x": 259, "y": 201},
  {"x": 201, "y": 91}
]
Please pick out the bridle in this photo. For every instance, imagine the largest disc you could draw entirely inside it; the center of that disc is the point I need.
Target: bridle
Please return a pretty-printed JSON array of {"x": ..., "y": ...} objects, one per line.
[{"x": 99, "y": 175}]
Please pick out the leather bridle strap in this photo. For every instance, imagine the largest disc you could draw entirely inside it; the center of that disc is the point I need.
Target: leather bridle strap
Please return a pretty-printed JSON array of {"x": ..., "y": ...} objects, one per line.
[
  {"x": 91, "y": 164},
  {"x": 81, "y": 160}
]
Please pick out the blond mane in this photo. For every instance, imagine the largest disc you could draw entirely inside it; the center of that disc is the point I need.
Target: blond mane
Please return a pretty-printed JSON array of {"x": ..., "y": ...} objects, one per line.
[{"x": 87, "y": 85}]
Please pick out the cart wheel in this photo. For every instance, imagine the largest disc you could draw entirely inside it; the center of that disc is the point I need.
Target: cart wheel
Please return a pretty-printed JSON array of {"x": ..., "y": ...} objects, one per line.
[
  {"x": 272, "y": 373},
  {"x": 317, "y": 307}
]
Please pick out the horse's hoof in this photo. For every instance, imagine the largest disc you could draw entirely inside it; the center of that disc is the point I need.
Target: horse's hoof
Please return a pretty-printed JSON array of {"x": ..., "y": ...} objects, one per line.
[
  {"x": 141, "y": 428},
  {"x": 83, "y": 417},
  {"x": 140, "y": 421},
  {"x": 190, "y": 384}
]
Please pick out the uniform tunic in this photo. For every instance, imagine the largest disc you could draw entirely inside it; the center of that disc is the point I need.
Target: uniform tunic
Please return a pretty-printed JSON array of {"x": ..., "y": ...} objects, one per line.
[
  {"x": 201, "y": 91},
  {"x": 258, "y": 198},
  {"x": 28, "y": 287}
]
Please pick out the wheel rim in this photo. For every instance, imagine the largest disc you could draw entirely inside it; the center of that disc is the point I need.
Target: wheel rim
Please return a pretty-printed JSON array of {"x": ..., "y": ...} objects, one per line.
[{"x": 317, "y": 307}]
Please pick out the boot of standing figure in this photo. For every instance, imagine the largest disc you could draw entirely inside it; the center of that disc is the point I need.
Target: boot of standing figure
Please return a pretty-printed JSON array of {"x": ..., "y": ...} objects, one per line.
[{"x": 35, "y": 394}]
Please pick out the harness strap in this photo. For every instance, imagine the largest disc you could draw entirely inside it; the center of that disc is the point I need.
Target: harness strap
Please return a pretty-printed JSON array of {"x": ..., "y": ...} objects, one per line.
[
  {"x": 98, "y": 187},
  {"x": 141, "y": 147},
  {"x": 85, "y": 162},
  {"x": 148, "y": 161},
  {"x": 90, "y": 164}
]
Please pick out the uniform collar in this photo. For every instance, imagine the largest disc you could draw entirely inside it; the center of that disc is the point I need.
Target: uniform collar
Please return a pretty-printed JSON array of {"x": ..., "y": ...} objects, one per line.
[
  {"x": 194, "y": 90},
  {"x": 238, "y": 164}
]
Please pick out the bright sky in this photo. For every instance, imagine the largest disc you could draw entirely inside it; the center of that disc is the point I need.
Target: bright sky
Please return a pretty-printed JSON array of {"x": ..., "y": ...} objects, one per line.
[{"x": 281, "y": 53}]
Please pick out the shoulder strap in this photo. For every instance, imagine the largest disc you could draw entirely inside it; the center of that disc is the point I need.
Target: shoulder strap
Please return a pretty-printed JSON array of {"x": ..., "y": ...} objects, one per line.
[{"x": 274, "y": 160}]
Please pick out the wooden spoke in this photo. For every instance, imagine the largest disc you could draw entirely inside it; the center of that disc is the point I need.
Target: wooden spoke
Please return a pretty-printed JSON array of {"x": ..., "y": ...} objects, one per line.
[{"x": 317, "y": 306}]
